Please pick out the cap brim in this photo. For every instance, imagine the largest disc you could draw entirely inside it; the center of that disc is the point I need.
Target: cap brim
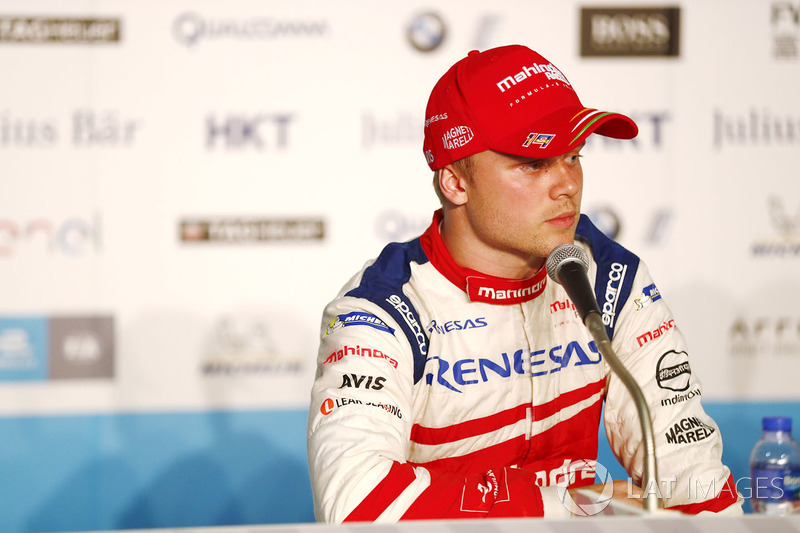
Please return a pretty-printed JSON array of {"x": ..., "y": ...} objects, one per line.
[{"x": 563, "y": 130}]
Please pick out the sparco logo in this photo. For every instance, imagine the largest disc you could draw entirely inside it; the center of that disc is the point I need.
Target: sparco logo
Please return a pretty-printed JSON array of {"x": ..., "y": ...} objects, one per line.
[
  {"x": 615, "y": 278},
  {"x": 673, "y": 372},
  {"x": 638, "y": 31},
  {"x": 408, "y": 317}
]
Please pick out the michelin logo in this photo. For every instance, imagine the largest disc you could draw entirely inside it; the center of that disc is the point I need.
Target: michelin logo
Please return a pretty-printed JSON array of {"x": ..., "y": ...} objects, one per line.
[
  {"x": 357, "y": 318},
  {"x": 649, "y": 295}
]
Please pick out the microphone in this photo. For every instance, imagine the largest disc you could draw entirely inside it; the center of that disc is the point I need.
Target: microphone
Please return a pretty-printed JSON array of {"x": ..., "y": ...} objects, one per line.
[{"x": 567, "y": 265}]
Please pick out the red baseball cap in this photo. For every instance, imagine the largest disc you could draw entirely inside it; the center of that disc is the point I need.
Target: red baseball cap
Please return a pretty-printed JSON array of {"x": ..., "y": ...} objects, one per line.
[{"x": 511, "y": 100}]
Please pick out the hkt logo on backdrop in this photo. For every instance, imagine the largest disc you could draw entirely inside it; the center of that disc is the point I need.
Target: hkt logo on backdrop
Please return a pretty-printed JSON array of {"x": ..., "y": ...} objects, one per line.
[
  {"x": 653, "y": 132},
  {"x": 251, "y": 230},
  {"x": 189, "y": 28},
  {"x": 630, "y": 31},
  {"x": 38, "y": 348},
  {"x": 755, "y": 128},
  {"x": 70, "y": 237},
  {"x": 241, "y": 344},
  {"x": 786, "y": 240},
  {"x": 52, "y": 30},
  {"x": 765, "y": 335},
  {"x": 88, "y": 128},
  {"x": 259, "y": 131},
  {"x": 785, "y": 21}
]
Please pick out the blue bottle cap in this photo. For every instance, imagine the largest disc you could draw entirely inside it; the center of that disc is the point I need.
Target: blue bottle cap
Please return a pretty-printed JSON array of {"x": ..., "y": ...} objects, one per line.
[{"x": 776, "y": 423}]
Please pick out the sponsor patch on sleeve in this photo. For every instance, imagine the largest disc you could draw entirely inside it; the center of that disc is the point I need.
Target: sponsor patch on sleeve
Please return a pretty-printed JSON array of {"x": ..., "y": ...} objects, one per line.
[
  {"x": 357, "y": 318},
  {"x": 649, "y": 295}
]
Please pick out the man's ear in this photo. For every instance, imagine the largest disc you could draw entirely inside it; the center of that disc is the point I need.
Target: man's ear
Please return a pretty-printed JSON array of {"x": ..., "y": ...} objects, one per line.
[{"x": 452, "y": 185}]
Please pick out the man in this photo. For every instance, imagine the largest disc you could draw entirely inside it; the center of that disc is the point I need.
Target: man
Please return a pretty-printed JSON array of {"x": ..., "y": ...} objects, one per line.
[{"x": 454, "y": 380}]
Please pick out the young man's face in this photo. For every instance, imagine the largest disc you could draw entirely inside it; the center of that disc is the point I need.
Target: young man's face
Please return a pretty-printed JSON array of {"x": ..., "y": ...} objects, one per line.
[{"x": 524, "y": 206}]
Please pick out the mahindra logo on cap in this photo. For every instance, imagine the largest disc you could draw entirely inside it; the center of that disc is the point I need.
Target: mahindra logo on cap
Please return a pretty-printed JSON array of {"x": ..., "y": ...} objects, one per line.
[{"x": 549, "y": 70}]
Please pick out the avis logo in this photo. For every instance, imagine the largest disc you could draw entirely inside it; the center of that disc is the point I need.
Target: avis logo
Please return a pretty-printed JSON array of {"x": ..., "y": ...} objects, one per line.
[{"x": 355, "y": 381}]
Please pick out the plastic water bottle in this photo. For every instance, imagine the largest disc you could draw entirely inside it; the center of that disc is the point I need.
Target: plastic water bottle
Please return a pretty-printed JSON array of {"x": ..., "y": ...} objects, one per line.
[{"x": 775, "y": 469}]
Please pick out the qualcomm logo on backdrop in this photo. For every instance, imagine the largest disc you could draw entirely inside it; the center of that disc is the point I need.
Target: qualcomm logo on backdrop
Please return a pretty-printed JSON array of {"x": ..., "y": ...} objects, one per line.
[{"x": 190, "y": 28}]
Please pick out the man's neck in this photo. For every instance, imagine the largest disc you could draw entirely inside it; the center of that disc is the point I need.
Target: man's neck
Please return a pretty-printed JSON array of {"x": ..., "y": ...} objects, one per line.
[{"x": 469, "y": 251}]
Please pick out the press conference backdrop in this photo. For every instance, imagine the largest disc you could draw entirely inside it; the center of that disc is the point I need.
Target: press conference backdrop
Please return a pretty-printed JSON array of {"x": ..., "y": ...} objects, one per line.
[{"x": 185, "y": 184}]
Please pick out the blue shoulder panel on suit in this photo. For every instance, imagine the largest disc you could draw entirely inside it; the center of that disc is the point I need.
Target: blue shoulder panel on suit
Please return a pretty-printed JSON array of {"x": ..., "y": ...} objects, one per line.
[
  {"x": 616, "y": 268},
  {"x": 382, "y": 284}
]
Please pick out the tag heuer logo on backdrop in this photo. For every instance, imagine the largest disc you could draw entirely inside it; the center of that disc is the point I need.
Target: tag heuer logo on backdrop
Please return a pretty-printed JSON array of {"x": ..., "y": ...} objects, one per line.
[
  {"x": 630, "y": 32},
  {"x": 59, "y": 30}
]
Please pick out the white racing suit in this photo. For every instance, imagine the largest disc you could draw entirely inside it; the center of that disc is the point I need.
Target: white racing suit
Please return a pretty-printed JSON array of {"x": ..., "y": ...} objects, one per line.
[{"x": 445, "y": 393}]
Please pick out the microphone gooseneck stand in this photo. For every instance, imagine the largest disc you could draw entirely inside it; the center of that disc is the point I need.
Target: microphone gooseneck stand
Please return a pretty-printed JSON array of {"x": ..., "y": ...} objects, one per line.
[
  {"x": 651, "y": 500},
  {"x": 567, "y": 265}
]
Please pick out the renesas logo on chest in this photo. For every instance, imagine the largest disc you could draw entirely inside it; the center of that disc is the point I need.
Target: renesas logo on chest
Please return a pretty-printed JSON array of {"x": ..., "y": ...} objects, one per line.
[
  {"x": 455, "y": 375},
  {"x": 408, "y": 317},
  {"x": 456, "y": 325},
  {"x": 548, "y": 70},
  {"x": 616, "y": 276}
]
